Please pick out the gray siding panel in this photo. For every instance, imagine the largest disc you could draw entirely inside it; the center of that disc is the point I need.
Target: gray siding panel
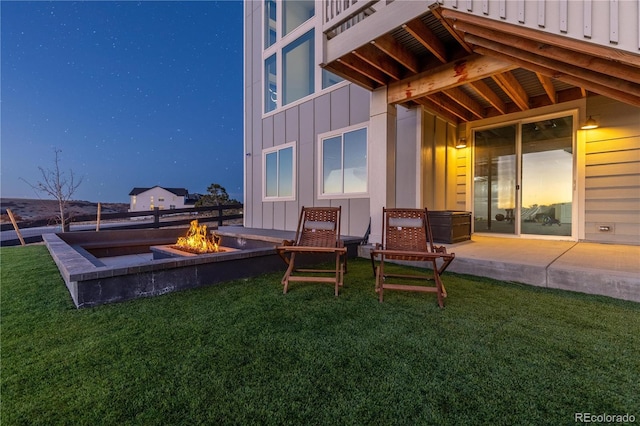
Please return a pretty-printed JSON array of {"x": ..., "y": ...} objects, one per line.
[
  {"x": 292, "y": 125},
  {"x": 279, "y": 123},
  {"x": 340, "y": 108},
  {"x": 302, "y": 123},
  {"x": 407, "y": 138},
  {"x": 359, "y": 104},
  {"x": 612, "y": 173}
]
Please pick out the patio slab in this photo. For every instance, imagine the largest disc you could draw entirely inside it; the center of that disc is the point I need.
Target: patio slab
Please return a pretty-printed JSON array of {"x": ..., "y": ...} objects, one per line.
[
  {"x": 606, "y": 269},
  {"x": 603, "y": 269}
]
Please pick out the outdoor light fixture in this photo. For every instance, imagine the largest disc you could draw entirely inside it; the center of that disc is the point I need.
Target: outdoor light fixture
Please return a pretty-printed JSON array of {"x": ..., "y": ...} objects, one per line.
[
  {"x": 462, "y": 143},
  {"x": 590, "y": 124}
]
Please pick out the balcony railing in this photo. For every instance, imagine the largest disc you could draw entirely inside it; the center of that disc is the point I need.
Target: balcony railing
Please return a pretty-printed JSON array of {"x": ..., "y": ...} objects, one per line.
[
  {"x": 612, "y": 23},
  {"x": 340, "y": 15}
]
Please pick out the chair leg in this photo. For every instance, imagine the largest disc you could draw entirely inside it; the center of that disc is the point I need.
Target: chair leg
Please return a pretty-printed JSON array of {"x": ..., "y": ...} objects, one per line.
[
  {"x": 380, "y": 280},
  {"x": 287, "y": 274},
  {"x": 439, "y": 286},
  {"x": 338, "y": 273}
]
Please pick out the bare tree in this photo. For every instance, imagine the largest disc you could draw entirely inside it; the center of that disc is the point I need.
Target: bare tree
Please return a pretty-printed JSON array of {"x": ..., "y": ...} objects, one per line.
[{"x": 56, "y": 184}]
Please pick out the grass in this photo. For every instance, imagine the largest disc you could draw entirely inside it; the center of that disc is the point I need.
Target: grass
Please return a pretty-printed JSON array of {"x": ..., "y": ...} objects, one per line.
[{"x": 244, "y": 353}]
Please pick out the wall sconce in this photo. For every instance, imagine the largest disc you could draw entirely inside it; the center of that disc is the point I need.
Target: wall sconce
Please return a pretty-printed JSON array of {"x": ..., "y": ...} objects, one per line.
[
  {"x": 590, "y": 124},
  {"x": 462, "y": 143}
]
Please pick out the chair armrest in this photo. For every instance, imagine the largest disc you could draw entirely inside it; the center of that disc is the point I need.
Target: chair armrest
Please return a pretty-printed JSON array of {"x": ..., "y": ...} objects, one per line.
[{"x": 309, "y": 249}]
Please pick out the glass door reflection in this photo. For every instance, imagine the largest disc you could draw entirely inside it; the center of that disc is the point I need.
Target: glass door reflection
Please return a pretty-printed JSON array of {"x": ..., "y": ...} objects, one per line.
[
  {"x": 547, "y": 177},
  {"x": 494, "y": 180}
]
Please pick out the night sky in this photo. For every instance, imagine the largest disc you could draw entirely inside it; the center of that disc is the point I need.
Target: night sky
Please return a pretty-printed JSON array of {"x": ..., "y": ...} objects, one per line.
[{"x": 134, "y": 93}]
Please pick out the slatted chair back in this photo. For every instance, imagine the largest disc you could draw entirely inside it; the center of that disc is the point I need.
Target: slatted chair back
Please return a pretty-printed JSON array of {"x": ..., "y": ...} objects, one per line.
[
  {"x": 406, "y": 230},
  {"x": 318, "y": 227}
]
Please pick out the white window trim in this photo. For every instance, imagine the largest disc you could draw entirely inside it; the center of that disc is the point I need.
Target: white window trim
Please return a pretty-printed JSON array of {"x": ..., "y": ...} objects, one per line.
[
  {"x": 314, "y": 23},
  {"x": 294, "y": 172},
  {"x": 319, "y": 177}
]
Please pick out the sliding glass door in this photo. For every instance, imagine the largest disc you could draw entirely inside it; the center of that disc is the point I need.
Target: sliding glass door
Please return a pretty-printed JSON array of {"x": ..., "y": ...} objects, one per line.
[{"x": 523, "y": 178}]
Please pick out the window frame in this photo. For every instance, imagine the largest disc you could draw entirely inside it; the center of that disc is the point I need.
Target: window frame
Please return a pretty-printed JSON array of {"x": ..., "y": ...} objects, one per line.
[
  {"x": 320, "y": 161},
  {"x": 294, "y": 173}
]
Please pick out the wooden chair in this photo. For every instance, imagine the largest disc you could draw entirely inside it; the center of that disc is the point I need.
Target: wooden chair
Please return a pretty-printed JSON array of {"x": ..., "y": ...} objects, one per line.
[
  {"x": 318, "y": 233},
  {"x": 406, "y": 236}
]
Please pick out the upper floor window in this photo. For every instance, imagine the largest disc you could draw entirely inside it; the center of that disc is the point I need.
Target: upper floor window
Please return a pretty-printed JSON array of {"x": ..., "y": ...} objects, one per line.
[
  {"x": 296, "y": 12},
  {"x": 270, "y": 84},
  {"x": 270, "y": 9},
  {"x": 298, "y": 68},
  {"x": 343, "y": 163},
  {"x": 278, "y": 165}
]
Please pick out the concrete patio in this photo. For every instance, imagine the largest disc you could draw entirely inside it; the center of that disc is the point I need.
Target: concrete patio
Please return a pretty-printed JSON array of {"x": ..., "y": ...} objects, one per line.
[{"x": 604, "y": 269}]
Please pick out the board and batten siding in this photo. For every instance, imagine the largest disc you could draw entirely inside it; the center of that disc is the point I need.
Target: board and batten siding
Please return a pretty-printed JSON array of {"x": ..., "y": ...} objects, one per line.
[
  {"x": 340, "y": 106},
  {"x": 612, "y": 173}
]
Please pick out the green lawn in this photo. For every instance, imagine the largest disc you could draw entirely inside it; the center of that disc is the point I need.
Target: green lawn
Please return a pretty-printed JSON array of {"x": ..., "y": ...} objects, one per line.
[{"x": 244, "y": 353}]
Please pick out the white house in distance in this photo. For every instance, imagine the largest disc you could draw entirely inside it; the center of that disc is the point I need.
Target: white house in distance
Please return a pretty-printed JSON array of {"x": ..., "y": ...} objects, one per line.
[
  {"x": 143, "y": 199},
  {"x": 478, "y": 106}
]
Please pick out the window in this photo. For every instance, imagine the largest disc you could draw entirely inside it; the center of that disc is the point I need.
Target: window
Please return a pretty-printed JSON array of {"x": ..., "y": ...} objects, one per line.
[
  {"x": 270, "y": 84},
  {"x": 294, "y": 13},
  {"x": 278, "y": 168},
  {"x": 298, "y": 68},
  {"x": 269, "y": 23},
  {"x": 160, "y": 199},
  {"x": 343, "y": 169},
  {"x": 329, "y": 79}
]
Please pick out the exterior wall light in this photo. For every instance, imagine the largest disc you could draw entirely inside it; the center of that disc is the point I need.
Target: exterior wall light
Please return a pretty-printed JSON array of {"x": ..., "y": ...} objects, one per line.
[
  {"x": 462, "y": 143},
  {"x": 590, "y": 124}
]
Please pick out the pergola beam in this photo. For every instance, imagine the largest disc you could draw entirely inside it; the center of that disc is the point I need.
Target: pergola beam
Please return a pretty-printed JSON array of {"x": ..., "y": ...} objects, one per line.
[
  {"x": 377, "y": 58},
  {"x": 391, "y": 47},
  {"x": 509, "y": 84},
  {"x": 427, "y": 38},
  {"x": 471, "y": 68}
]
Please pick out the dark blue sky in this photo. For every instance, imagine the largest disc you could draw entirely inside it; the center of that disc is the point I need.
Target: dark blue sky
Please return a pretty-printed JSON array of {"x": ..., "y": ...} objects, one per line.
[{"x": 135, "y": 94}]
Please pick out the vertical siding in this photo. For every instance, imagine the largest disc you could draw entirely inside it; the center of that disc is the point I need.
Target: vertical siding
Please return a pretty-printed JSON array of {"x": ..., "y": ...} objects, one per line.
[
  {"x": 438, "y": 186},
  {"x": 614, "y": 23},
  {"x": 460, "y": 184},
  {"x": 406, "y": 143},
  {"x": 344, "y": 106},
  {"x": 612, "y": 173}
]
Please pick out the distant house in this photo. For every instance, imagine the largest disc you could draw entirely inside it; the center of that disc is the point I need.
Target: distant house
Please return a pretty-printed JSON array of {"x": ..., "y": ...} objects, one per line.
[{"x": 142, "y": 199}]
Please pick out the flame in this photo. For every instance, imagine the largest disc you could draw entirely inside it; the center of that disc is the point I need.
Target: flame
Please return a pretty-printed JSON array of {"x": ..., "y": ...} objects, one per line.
[{"x": 198, "y": 240}]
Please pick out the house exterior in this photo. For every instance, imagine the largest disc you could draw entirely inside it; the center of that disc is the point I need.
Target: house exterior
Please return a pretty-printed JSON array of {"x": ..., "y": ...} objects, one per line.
[
  {"x": 144, "y": 199},
  {"x": 476, "y": 106}
]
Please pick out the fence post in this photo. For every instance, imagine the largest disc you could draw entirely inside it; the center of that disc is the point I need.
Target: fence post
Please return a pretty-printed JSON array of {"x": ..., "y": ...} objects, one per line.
[
  {"x": 219, "y": 216},
  {"x": 15, "y": 226},
  {"x": 98, "y": 218},
  {"x": 156, "y": 217}
]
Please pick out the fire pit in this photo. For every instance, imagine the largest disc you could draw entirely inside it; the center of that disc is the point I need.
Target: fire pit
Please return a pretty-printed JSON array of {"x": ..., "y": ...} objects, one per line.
[
  {"x": 82, "y": 257},
  {"x": 197, "y": 241}
]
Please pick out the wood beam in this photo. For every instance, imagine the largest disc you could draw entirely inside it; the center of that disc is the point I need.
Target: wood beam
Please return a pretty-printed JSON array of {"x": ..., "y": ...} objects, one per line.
[
  {"x": 547, "y": 85},
  {"x": 540, "y": 36},
  {"x": 461, "y": 98},
  {"x": 364, "y": 68},
  {"x": 579, "y": 59},
  {"x": 377, "y": 58},
  {"x": 471, "y": 68},
  {"x": 436, "y": 109},
  {"x": 489, "y": 95},
  {"x": 509, "y": 84},
  {"x": 452, "y": 107},
  {"x": 436, "y": 10},
  {"x": 561, "y": 67},
  {"x": 391, "y": 47},
  {"x": 427, "y": 38},
  {"x": 351, "y": 75},
  {"x": 589, "y": 85}
]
